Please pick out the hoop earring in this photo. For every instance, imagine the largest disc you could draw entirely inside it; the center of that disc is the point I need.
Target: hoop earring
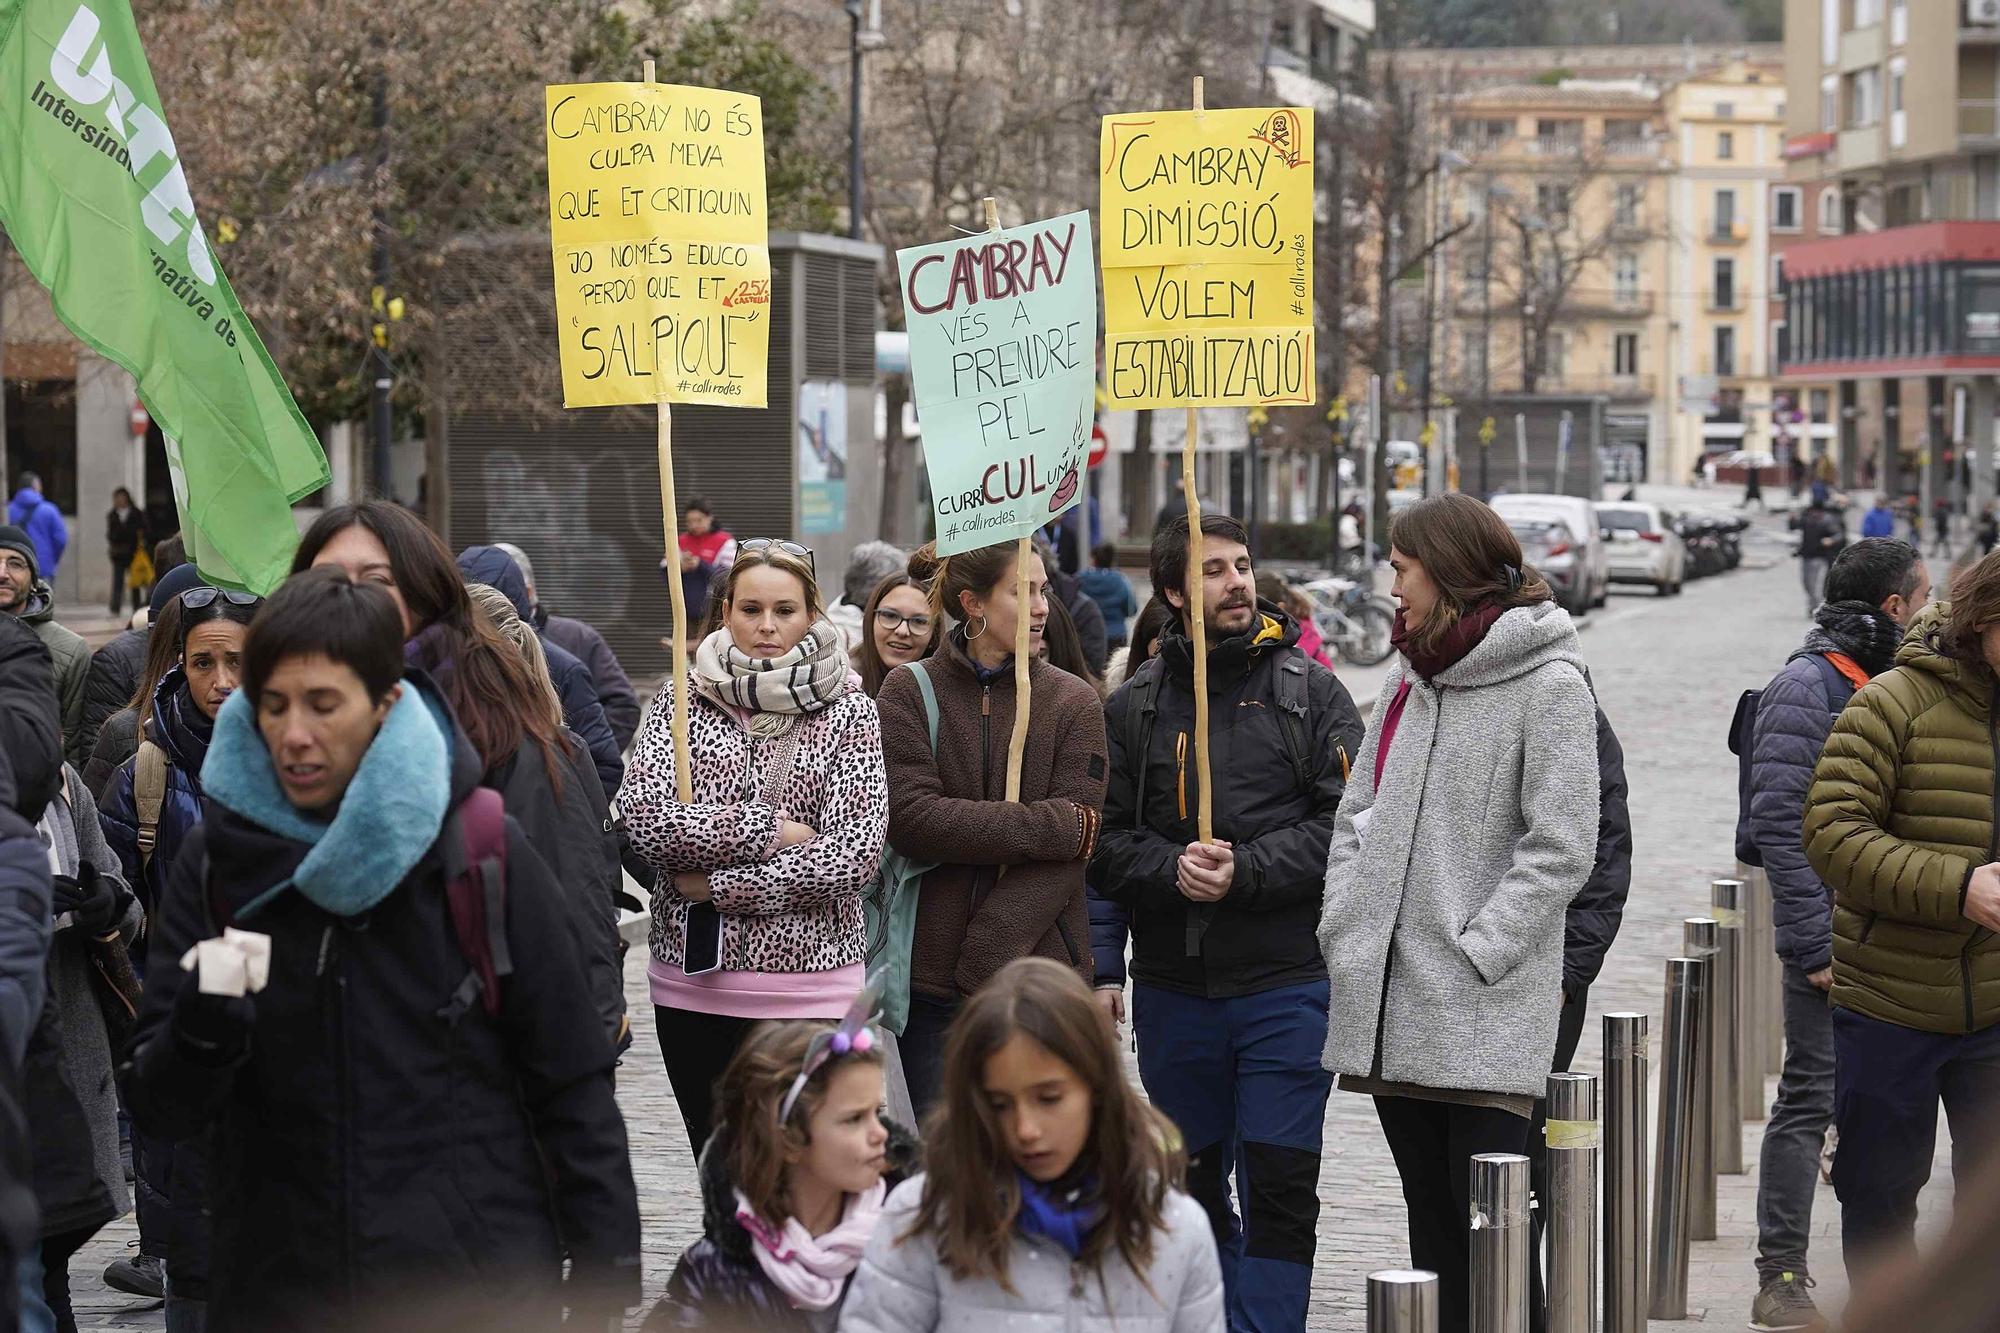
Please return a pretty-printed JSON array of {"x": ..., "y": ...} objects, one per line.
[{"x": 982, "y": 629}]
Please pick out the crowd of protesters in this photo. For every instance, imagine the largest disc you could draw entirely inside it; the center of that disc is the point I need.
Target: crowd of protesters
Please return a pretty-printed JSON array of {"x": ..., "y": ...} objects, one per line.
[{"x": 332, "y": 916}]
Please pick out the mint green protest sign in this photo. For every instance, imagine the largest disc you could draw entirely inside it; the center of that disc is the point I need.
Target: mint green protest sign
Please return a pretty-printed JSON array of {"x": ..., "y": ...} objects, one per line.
[{"x": 1003, "y": 352}]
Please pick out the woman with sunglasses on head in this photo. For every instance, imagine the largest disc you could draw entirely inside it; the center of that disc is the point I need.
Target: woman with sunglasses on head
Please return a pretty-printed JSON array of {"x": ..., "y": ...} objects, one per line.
[
  {"x": 1008, "y": 880},
  {"x": 899, "y": 628},
  {"x": 757, "y": 911},
  {"x": 153, "y": 804}
]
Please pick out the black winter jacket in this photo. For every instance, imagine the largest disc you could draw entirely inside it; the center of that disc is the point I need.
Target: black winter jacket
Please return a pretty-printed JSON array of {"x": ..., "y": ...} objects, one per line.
[
  {"x": 381, "y": 1147},
  {"x": 614, "y": 687},
  {"x": 1594, "y": 915},
  {"x": 718, "y": 1283},
  {"x": 180, "y": 729},
  {"x": 117, "y": 741},
  {"x": 30, "y": 717},
  {"x": 108, "y": 686},
  {"x": 1261, "y": 936}
]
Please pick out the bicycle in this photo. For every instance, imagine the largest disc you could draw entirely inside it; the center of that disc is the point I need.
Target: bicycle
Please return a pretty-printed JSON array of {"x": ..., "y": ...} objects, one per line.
[{"x": 1352, "y": 620}]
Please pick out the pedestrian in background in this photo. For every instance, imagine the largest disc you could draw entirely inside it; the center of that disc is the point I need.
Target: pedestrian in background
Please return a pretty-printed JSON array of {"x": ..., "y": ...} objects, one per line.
[
  {"x": 25, "y": 593},
  {"x": 409, "y": 1132},
  {"x": 1052, "y": 1196},
  {"x": 42, "y": 521},
  {"x": 1941, "y": 526},
  {"x": 119, "y": 736},
  {"x": 757, "y": 912},
  {"x": 1822, "y": 534},
  {"x": 1989, "y": 529},
  {"x": 1442, "y": 926},
  {"x": 1874, "y": 590},
  {"x": 870, "y": 563},
  {"x": 1062, "y": 647},
  {"x": 1273, "y": 589},
  {"x": 1899, "y": 823},
  {"x": 901, "y": 628},
  {"x": 124, "y": 539},
  {"x": 582, "y": 641},
  {"x": 706, "y": 550},
  {"x": 1880, "y": 520},
  {"x": 1084, "y": 615},
  {"x": 1112, "y": 592},
  {"x": 1008, "y": 880},
  {"x": 115, "y": 668}
]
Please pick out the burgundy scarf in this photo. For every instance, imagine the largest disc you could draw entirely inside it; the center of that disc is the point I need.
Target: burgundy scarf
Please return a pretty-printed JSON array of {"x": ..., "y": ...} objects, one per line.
[{"x": 1464, "y": 635}]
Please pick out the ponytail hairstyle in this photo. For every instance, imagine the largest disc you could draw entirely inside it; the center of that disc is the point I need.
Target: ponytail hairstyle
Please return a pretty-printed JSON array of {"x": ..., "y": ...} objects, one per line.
[
  {"x": 1472, "y": 556},
  {"x": 972, "y": 1195},
  {"x": 480, "y": 674},
  {"x": 506, "y": 621},
  {"x": 749, "y": 1096},
  {"x": 978, "y": 571},
  {"x": 163, "y": 651}
]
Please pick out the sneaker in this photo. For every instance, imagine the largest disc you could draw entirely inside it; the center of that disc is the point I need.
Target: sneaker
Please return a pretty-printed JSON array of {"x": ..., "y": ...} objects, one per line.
[
  {"x": 141, "y": 1275},
  {"x": 1784, "y": 1305}
]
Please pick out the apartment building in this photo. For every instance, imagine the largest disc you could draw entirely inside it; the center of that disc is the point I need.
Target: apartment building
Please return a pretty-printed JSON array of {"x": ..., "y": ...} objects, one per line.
[{"x": 1893, "y": 110}]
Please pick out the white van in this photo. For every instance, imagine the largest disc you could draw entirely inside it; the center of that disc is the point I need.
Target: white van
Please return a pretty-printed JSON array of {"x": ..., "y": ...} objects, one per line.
[{"x": 1581, "y": 515}]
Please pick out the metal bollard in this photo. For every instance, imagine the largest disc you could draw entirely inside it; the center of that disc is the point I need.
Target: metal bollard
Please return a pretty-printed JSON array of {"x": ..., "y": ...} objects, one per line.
[
  {"x": 1625, "y": 1073},
  {"x": 1698, "y": 941},
  {"x": 1499, "y": 1267},
  {"x": 1402, "y": 1300},
  {"x": 1574, "y": 1138},
  {"x": 1726, "y": 906},
  {"x": 1758, "y": 956},
  {"x": 1673, "y": 1163},
  {"x": 1771, "y": 992}
]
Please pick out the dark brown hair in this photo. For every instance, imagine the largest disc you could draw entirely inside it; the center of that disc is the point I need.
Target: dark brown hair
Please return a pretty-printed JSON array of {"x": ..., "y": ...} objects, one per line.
[
  {"x": 971, "y": 1194},
  {"x": 323, "y": 613},
  {"x": 1472, "y": 556},
  {"x": 482, "y": 677},
  {"x": 1975, "y": 602},
  {"x": 748, "y": 1098},
  {"x": 978, "y": 571},
  {"x": 1064, "y": 646},
  {"x": 868, "y": 658},
  {"x": 1167, "y": 563},
  {"x": 163, "y": 651}
]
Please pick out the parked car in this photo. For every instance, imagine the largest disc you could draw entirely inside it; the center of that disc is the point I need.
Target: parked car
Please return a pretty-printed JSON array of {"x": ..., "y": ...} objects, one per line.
[
  {"x": 1550, "y": 547},
  {"x": 1642, "y": 545},
  {"x": 1594, "y": 583}
]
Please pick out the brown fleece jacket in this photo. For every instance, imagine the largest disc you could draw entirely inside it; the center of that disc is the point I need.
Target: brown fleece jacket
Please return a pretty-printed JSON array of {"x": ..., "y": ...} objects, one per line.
[{"x": 1009, "y": 877}]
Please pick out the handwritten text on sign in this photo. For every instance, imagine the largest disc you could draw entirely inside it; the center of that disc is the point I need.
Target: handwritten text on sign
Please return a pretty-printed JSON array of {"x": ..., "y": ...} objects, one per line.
[
  {"x": 1003, "y": 329},
  {"x": 657, "y": 213},
  {"x": 1208, "y": 279}
]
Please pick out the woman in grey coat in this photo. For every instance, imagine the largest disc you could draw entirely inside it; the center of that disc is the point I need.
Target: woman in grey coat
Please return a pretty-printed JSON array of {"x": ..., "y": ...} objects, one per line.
[{"x": 1469, "y": 824}]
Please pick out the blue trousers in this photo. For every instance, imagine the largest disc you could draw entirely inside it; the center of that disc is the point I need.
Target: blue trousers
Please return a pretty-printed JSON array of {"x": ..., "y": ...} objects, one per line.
[
  {"x": 1887, "y": 1083},
  {"x": 1241, "y": 1078}
]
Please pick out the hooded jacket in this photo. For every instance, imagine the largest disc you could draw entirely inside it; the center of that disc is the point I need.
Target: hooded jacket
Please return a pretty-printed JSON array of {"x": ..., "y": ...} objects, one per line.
[
  {"x": 1009, "y": 875},
  {"x": 1900, "y": 815},
  {"x": 44, "y": 524},
  {"x": 381, "y": 1138},
  {"x": 583, "y": 712},
  {"x": 614, "y": 687},
  {"x": 718, "y": 1282},
  {"x": 69, "y": 656},
  {"x": 1446, "y": 888},
  {"x": 182, "y": 731},
  {"x": 1258, "y": 937}
]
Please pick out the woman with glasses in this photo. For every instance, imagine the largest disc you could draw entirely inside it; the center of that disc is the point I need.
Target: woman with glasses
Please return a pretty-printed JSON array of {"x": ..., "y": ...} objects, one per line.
[
  {"x": 757, "y": 910},
  {"x": 153, "y": 804},
  {"x": 900, "y": 628}
]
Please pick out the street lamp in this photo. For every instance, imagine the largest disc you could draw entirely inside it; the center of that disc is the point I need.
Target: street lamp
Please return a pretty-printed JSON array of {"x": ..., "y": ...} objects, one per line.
[{"x": 862, "y": 40}]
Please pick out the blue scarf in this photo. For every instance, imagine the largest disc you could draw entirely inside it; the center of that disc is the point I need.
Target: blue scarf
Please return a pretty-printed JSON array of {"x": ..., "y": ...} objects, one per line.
[
  {"x": 1063, "y": 1215},
  {"x": 387, "y": 819}
]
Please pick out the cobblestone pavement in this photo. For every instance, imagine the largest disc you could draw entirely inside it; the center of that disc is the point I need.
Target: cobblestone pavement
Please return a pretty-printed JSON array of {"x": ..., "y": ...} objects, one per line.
[{"x": 1668, "y": 673}]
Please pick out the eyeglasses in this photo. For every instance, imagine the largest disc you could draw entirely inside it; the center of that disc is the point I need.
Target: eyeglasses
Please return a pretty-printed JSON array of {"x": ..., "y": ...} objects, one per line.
[
  {"x": 756, "y": 544},
  {"x": 892, "y": 620},
  {"x": 196, "y": 598}
]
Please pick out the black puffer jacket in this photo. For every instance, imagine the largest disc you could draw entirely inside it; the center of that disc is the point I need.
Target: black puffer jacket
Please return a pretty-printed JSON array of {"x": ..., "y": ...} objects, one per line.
[
  {"x": 1594, "y": 915},
  {"x": 614, "y": 687},
  {"x": 1261, "y": 936},
  {"x": 718, "y": 1284},
  {"x": 386, "y": 1156},
  {"x": 108, "y": 686},
  {"x": 117, "y": 741},
  {"x": 30, "y": 725}
]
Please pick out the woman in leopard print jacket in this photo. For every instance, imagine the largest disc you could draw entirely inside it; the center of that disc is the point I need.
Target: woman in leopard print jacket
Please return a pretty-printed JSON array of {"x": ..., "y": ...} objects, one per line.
[{"x": 757, "y": 913}]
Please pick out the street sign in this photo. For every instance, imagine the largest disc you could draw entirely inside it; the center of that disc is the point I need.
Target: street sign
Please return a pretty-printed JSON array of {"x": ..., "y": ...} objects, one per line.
[{"x": 1100, "y": 444}]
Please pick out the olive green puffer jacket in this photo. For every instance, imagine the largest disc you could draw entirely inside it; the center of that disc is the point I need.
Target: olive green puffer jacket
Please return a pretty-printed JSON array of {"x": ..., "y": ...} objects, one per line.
[{"x": 1902, "y": 811}]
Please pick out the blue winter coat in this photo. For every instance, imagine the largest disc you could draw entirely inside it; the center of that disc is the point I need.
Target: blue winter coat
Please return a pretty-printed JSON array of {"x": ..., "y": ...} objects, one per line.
[
  {"x": 1794, "y": 717},
  {"x": 1878, "y": 522},
  {"x": 179, "y": 728},
  {"x": 45, "y": 527},
  {"x": 1112, "y": 592}
]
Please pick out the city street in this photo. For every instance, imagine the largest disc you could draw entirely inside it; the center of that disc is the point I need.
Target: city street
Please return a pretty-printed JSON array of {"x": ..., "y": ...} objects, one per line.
[{"x": 1668, "y": 672}]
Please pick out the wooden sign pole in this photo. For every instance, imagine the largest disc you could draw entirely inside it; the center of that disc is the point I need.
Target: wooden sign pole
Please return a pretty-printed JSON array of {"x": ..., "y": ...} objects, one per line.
[
  {"x": 1017, "y": 744},
  {"x": 1197, "y": 628},
  {"x": 671, "y": 520}
]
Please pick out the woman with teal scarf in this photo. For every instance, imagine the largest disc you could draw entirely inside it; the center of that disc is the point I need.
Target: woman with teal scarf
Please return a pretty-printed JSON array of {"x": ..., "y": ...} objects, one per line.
[{"x": 388, "y": 1154}]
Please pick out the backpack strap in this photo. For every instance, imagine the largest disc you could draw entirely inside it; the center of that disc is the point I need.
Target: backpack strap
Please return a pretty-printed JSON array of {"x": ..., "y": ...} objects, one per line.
[
  {"x": 929, "y": 692},
  {"x": 1292, "y": 712},
  {"x": 1140, "y": 712},
  {"x": 475, "y": 855},
  {"x": 1839, "y": 689},
  {"x": 149, "y": 793}
]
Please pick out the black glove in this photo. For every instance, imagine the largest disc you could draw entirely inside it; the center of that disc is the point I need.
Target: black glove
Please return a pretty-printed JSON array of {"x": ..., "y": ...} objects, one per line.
[
  {"x": 212, "y": 1029},
  {"x": 93, "y": 898}
]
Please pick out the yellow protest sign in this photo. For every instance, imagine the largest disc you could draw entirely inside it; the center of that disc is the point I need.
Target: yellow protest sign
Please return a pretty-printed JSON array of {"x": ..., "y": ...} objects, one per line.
[
  {"x": 1208, "y": 271},
  {"x": 658, "y": 220}
]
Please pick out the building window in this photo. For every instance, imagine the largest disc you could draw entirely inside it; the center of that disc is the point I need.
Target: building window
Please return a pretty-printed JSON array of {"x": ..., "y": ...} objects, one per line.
[
  {"x": 1552, "y": 201},
  {"x": 1725, "y": 110},
  {"x": 1725, "y": 349},
  {"x": 1725, "y": 145},
  {"x": 1864, "y": 98},
  {"x": 1829, "y": 32},
  {"x": 1818, "y": 403},
  {"x": 1785, "y": 208},
  {"x": 1557, "y": 136},
  {"x": 1625, "y": 278},
  {"x": 1781, "y": 343},
  {"x": 1555, "y": 363},
  {"x": 1829, "y": 212},
  {"x": 1898, "y": 124},
  {"x": 1778, "y": 277},
  {"x": 1899, "y": 22},
  {"x": 1627, "y": 208},
  {"x": 1625, "y": 354},
  {"x": 1724, "y": 292},
  {"x": 1725, "y": 215},
  {"x": 1867, "y": 13},
  {"x": 1472, "y": 354},
  {"x": 1829, "y": 102}
]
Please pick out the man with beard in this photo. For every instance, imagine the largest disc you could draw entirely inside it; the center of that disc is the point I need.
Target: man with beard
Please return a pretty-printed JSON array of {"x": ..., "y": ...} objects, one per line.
[
  {"x": 1873, "y": 591},
  {"x": 26, "y": 594},
  {"x": 1229, "y": 988}
]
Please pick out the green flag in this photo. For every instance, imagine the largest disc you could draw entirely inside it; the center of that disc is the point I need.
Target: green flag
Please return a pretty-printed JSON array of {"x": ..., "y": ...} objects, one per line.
[{"x": 92, "y": 193}]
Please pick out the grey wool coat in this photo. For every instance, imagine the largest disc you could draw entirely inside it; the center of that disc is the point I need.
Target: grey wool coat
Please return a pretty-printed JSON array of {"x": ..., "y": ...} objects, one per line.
[{"x": 1445, "y": 891}]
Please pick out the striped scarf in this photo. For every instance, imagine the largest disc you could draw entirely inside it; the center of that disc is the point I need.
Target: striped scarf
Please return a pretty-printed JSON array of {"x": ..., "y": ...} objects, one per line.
[{"x": 771, "y": 693}]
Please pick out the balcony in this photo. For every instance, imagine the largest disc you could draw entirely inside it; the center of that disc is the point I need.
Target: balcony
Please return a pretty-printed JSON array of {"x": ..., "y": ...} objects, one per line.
[
  {"x": 1858, "y": 148},
  {"x": 1558, "y": 145},
  {"x": 1863, "y": 48},
  {"x": 1728, "y": 231},
  {"x": 1623, "y": 388},
  {"x": 1978, "y": 118}
]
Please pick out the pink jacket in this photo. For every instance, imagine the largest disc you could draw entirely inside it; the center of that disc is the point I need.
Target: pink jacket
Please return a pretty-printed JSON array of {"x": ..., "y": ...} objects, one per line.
[{"x": 792, "y": 909}]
